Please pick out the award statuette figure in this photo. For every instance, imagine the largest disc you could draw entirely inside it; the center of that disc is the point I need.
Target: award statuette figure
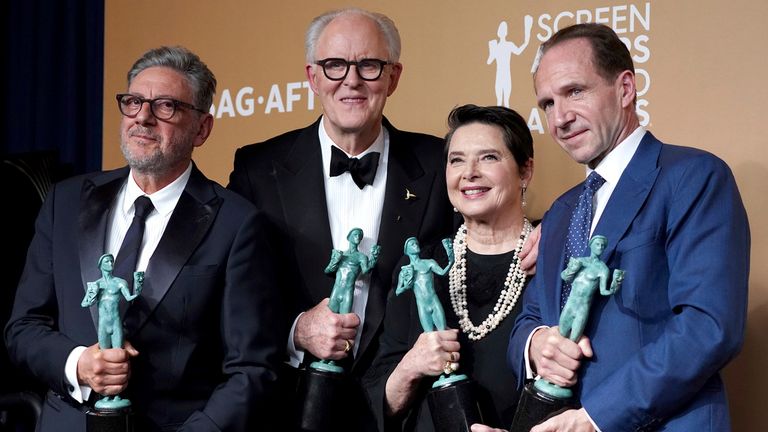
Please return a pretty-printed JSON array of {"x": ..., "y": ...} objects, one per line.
[
  {"x": 451, "y": 399},
  {"x": 542, "y": 399},
  {"x": 111, "y": 413},
  {"x": 324, "y": 381}
]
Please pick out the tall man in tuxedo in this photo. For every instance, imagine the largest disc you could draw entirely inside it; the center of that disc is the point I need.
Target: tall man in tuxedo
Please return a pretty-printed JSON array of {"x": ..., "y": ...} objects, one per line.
[
  {"x": 651, "y": 354},
  {"x": 299, "y": 180},
  {"x": 200, "y": 352}
]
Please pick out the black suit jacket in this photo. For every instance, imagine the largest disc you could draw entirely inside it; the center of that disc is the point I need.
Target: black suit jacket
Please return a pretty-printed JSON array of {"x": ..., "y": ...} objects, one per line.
[
  {"x": 284, "y": 178},
  {"x": 207, "y": 359}
]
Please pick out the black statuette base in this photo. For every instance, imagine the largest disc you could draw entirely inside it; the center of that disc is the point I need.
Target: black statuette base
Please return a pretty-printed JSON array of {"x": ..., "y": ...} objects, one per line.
[
  {"x": 105, "y": 420},
  {"x": 535, "y": 407},
  {"x": 454, "y": 407},
  {"x": 320, "y": 396}
]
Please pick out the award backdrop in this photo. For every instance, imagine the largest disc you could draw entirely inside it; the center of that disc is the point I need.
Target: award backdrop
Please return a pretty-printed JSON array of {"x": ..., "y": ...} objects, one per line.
[{"x": 700, "y": 79}]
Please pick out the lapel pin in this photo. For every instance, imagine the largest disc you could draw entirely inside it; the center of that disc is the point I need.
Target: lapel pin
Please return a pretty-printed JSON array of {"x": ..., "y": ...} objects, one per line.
[{"x": 409, "y": 195}]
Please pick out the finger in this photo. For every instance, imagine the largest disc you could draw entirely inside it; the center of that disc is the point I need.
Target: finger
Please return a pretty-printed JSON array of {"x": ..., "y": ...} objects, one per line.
[
  {"x": 132, "y": 352},
  {"x": 547, "y": 426},
  {"x": 114, "y": 355},
  {"x": 349, "y": 321},
  {"x": 586, "y": 346},
  {"x": 451, "y": 348},
  {"x": 477, "y": 427},
  {"x": 111, "y": 390},
  {"x": 447, "y": 335}
]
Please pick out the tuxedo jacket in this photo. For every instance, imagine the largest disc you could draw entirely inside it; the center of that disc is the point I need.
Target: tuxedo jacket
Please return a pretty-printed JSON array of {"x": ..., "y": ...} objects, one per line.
[
  {"x": 284, "y": 178},
  {"x": 676, "y": 224},
  {"x": 207, "y": 357}
]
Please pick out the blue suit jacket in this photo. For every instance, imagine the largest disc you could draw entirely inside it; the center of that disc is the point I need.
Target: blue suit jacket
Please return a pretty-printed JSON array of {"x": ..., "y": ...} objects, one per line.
[
  {"x": 207, "y": 357},
  {"x": 676, "y": 224}
]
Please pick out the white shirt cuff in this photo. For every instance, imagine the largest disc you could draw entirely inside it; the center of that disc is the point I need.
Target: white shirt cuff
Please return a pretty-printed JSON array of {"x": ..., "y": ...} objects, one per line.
[
  {"x": 295, "y": 357},
  {"x": 77, "y": 391},
  {"x": 594, "y": 425},
  {"x": 529, "y": 374}
]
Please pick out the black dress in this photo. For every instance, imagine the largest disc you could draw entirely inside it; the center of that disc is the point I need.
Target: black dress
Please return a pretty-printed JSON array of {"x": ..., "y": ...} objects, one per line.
[{"x": 483, "y": 360}]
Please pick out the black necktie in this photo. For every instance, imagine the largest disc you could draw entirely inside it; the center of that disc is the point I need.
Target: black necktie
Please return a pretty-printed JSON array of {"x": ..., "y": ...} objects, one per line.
[
  {"x": 125, "y": 264},
  {"x": 581, "y": 222},
  {"x": 363, "y": 170}
]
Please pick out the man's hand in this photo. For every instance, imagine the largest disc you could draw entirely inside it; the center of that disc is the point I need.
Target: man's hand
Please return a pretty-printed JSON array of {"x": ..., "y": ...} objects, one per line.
[
  {"x": 106, "y": 371},
  {"x": 569, "y": 421},
  {"x": 556, "y": 358},
  {"x": 325, "y": 334},
  {"x": 530, "y": 251}
]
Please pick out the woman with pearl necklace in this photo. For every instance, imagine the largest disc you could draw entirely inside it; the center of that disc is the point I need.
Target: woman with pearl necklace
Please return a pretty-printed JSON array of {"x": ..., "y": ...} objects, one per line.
[{"x": 488, "y": 169}]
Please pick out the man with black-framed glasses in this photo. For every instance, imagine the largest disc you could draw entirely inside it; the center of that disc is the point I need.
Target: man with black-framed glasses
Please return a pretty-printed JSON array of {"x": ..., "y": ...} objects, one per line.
[
  {"x": 200, "y": 352},
  {"x": 351, "y": 168}
]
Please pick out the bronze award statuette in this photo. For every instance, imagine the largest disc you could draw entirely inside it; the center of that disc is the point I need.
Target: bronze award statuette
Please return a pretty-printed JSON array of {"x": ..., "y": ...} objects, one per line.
[
  {"x": 110, "y": 413},
  {"x": 542, "y": 399},
  {"x": 324, "y": 385},
  {"x": 452, "y": 399}
]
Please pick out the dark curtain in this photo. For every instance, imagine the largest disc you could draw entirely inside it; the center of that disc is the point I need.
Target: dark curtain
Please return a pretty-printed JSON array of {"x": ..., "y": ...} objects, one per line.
[{"x": 52, "y": 53}]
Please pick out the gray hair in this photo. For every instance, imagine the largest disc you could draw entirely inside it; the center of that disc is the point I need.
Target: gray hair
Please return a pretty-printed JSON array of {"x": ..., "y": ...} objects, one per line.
[
  {"x": 386, "y": 26},
  {"x": 184, "y": 61}
]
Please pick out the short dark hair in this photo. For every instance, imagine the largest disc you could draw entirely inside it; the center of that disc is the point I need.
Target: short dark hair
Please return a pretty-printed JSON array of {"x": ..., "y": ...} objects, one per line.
[
  {"x": 609, "y": 54},
  {"x": 517, "y": 136},
  {"x": 200, "y": 78}
]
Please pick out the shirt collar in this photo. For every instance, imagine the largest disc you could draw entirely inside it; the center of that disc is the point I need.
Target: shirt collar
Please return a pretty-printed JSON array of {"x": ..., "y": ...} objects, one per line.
[
  {"x": 326, "y": 143},
  {"x": 614, "y": 163},
  {"x": 164, "y": 200}
]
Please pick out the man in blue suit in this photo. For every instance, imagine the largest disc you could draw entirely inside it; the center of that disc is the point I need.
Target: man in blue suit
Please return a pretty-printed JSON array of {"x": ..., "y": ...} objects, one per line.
[
  {"x": 200, "y": 353},
  {"x": 651, "y": 354}
]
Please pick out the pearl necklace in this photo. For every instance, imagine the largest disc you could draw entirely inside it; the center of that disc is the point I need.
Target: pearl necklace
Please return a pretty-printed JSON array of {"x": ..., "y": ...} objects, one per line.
[{"x": 457, "y": 286}]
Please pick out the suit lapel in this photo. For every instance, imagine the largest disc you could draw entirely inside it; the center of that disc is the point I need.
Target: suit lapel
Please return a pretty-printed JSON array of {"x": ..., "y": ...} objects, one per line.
[
  {"x": 630, "y": 194},
  {"x": 301, "y": 188},
  {"x": 190, "y": 221},
  {"x": 96, "y": 200},
  {"x": 400, "y": 219}
]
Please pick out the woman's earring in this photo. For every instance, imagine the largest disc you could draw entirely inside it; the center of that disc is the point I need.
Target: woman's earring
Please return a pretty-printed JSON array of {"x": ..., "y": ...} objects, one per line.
[
  {"x": 524, "y": 203},
  {"x": 455, "y": 210}
]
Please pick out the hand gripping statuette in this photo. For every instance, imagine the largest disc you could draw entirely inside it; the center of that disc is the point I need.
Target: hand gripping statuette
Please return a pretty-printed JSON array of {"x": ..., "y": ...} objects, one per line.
[
  {"x": 324, "y": 385},
  {"x": 452, "y": 400},
  {"x": 587, "y": 275},
  {"x": 106, "y": 293}
]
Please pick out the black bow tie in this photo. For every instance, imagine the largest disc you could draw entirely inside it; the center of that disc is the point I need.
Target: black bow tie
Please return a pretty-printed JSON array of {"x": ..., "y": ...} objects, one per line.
[{"x": 363, "y": 170}]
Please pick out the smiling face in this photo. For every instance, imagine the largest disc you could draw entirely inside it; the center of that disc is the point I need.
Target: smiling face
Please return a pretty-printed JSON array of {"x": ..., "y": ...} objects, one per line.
[
  {"x": 586, "y": 114},
  {"x": 484, "y": 181},
  {"x": 162, "y": 147},
  {"x": 352, "y": 106}
]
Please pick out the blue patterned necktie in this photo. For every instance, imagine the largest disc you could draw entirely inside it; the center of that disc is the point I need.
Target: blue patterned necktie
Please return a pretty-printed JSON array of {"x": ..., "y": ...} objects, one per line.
[
  {"x": 578, "y": 230},
  {"x": 128, "y": 256}
]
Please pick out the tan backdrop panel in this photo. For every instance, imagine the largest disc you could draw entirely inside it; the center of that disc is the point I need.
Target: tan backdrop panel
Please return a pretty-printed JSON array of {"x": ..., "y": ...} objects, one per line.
[{"x": 701, "y": 69}]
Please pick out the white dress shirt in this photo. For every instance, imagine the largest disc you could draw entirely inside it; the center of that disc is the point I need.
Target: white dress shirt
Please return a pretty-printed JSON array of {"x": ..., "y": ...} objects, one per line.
[
  {"x": 121, "y": 216},
  {"x": 351, "y": 207}
]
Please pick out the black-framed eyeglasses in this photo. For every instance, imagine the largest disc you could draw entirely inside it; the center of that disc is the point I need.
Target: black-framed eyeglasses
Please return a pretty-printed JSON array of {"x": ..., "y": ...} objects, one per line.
[
  {"x": 162, "y": 108},
  {"x": 336, "y": 69}
]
